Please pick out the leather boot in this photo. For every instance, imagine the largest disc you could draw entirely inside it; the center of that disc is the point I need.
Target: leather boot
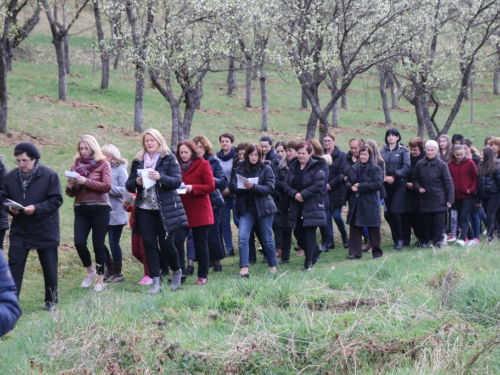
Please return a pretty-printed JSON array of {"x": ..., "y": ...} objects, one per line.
[
  {"x": 109, "y": 269},
  {"x": 368, "y": 246},
  {"x": 156, "y": 286},
  {"x": 345, "y": 240},
  {"x": 117, "y": 273},
  {"x": 176, "y": 280},
  {"x": 331, "y": 243}
]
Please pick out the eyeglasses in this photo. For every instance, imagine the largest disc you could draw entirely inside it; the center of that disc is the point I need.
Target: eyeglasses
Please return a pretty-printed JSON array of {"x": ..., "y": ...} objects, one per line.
[{"x": 22, "y": 162}]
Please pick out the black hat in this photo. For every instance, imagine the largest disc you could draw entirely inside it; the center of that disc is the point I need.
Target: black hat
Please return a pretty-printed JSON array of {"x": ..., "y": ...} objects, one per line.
[{"x": 29, "y": 148}]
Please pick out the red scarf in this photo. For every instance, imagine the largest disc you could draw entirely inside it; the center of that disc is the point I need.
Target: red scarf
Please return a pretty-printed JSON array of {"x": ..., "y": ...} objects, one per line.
[{"x": 85, "y": 165}]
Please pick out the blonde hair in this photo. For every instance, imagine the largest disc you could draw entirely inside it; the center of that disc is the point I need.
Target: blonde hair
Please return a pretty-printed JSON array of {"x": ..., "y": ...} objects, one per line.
[
  {"x": 113, "y": 151},
  {"x": 159, "y": 138},
  {"x": 318, "y": 150},
  {"x": 93, "y": 146}
]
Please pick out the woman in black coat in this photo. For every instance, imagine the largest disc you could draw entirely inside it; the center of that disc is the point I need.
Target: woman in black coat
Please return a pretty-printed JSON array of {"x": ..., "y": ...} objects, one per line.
[
  {"x": 489, "y": 189},
  {"x": 364, "y": 181},
  {"x": 36, "y": 226},
  {"x": 158, "y": 211},
  {"x": 4, "y": 221},
  {"x": 432, "y": 180},
  {"x": 397, "y": 167},
  {"x": 10, "y": 311},
  {"x": 303, "y": 185}
]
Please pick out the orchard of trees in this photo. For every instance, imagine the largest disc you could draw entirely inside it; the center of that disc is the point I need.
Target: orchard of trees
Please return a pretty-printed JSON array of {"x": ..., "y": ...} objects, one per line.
[{"x": 425, "y": 51}]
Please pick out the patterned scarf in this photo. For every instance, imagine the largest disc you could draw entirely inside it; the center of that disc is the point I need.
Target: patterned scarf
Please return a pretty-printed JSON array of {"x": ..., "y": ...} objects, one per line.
[
  {"x": 85, "y": 165},
  {"x": 26, "y": 178},
  {"x": 116, "y": 163},
  {"x": 151, "y": 163},
  {"x": 185, "y": 165}
]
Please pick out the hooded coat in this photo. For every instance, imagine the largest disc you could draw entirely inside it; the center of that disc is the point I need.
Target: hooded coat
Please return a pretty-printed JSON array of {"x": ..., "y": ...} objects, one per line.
[
  {"x": 313, "y": 212},
  {"x": 336, "y": 175},
  {"x": 365, "y": 203}
]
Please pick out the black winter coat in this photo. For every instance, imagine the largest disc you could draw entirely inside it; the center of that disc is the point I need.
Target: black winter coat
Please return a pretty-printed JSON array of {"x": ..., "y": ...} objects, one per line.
[
  {"x": 262, "y": 192},
  {"x": 10, "y": 311},
  {"x": 40, "y": 230},
  {"x": 365, "y": 203},
  {"x": 4, "y": 220},
  {"x": 412, "y": 197},
  {"x": 336, "y": 175},
  {"x": 271, "y": 156},
  {"x": 216, "y": 198},
  {"x": 313, "y": 212},
  {"x": 397, "y": 162},
  {"x": 489, "y": 185},
  {"x": 434, "y": 176},
  {"x": 171, "y": 208},
  {"x": 325, "y": 161}
]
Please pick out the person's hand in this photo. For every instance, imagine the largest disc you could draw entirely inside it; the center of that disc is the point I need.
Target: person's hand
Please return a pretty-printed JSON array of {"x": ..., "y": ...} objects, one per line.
[
  {"x": 126, "y": 204},
  {"x": 14, "y": 212},
  {"x": 154, "y": 175},
  {"x": 225, "y": 192},
  {"x": 389, "y": 179},
  {"x": 409, "y": 185},
  {"x": 81, "y": 180},
  {"x": 298, "y": 198},
  {"x": 421, "y": 190},
  {"x": 70, "y": 183},
  {"x": 354, "y": 188},
  {"x": 328, "y": 187},
  {"x": 138, "y": 181},
  {"x": 448, "y": 204},
  {"x": 248, "y": 185},
  {"x": 345, "y": 178},
  {"x": 189, "y": 188},
  {"x": 30, "y": 210}
]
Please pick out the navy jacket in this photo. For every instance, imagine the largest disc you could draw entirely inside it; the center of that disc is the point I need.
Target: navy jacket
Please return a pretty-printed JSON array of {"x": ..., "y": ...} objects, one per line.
[
  {"x": 221, "y": 183},
  {"x": 4, "y": 221},
  {"x": 9, "y": 305}
]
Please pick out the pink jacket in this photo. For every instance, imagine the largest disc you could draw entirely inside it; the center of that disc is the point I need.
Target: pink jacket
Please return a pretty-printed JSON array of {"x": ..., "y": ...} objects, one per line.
[{"x": 96, "y": 187}]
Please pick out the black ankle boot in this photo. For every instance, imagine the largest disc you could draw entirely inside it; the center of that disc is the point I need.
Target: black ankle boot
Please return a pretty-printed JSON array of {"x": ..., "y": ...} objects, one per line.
[{"x": 345, "y": 240}]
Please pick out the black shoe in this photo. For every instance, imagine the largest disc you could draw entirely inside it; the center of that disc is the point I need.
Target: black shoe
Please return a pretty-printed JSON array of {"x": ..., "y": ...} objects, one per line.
[
  {"x": 165, "y": 272},
  {"x": 218, "y": 268},
  {"x": 324, "y": 248},
  {"x": 252, "y": 262},
  {"x": 332, "y": 245},
  {"x": 416, "y": 244},
  {"x": 296, "y": 247},
  {"x": 353, "y": 257},
  {"x": 394, "y": 245},
  {"x": 243, "y": 276},
  {"x": 377, "y": 257},
  {"x": 183, "y": 279},
  {"x": 345, "y": 240},
  {"x": 399, "y": 245},
  {"x": 406, "y": 243},
  {"x": 283, "y": 261},
  {"x": 230, "y": 253},
  {"x": 264, "y": 260},
  {"x": 189, "y": 270},
  {"x": 50, "y": 306},
  {"x": 260, "y": 250}
]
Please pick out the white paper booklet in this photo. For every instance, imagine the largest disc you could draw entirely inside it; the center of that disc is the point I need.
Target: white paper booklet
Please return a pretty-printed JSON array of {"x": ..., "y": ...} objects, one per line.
[
  {"x": 16, "y": 206},
  {"x": 241, "y": 181},
  {"x": 182, "y": 189},
  {"x": 127, "y": 197},
  {"x": 146, "y": 181},
  {"x": 72, "y": 175}
]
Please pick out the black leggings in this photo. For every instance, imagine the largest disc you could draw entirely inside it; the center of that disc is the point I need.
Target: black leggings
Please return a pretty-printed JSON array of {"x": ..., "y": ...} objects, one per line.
[
  {"x": 95, "y": 218},
  {"x": 490, "y": 206}
]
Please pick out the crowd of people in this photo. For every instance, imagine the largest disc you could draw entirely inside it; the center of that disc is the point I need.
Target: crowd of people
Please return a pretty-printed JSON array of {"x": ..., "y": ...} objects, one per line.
[{"x": 182, "y": 203}]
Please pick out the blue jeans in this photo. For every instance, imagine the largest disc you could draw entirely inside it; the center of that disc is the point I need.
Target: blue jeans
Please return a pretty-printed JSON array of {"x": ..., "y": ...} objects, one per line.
[
  {"x": 114, "y": 235},
  {"x": 475, "y": 221},
  {"x": 265, "y": 224},
  {"x": 227, "y": 235},
  {"x": 336, "y": 213}
]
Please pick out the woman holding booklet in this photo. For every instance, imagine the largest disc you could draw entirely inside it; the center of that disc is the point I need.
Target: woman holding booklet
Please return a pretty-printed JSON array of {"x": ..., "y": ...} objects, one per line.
[
  {"x": 33, "y": 195},
  {"x": 253, "y": 184}
]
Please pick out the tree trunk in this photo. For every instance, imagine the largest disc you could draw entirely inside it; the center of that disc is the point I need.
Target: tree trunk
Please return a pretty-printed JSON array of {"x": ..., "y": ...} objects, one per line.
[
  {"x": 232, "y": 85},
  {"x": 189, "y": 110},
  {"x": 199, "y": 94},
  {"x": 303, "y": 103},
  {"x": 176, "y": 125},
  {"x": 495, "y": 81},
  {"x": 394, "y": 96},
  {"x": 382, "y": 77},
  {"x": 3, "y": 91},
  {"x": 61, "y": 65},
  {"x": 335, "y": 115},
  {"x": 420, "y": 118},
  {"x": 344, "y": 100},
  {"x": 117, "y": 43},
  {"x": 8, "y": 54},
  {"x": 312, "y": 124},
  {"x": 66, "y": 53},
  {"x": 471, "y": 102},
  {"x": 248, "y": 83},
  {"x": 102, "y": 47},
  {"x": 263, "y": 95},
  {"x": 139, "y": 99},
  {"x": 427, "y": 117}
]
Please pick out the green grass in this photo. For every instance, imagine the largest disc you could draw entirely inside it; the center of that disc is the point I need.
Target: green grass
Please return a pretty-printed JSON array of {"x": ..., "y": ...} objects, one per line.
[{"x": 389, "y": 316}]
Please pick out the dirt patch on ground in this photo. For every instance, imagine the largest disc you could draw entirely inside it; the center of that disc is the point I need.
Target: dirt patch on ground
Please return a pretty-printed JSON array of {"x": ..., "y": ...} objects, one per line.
[
  {"x": 211, "y": 112},
  {"x": 487, "y": 101},
  {"x": 13, "y": 137},
  {"x": 71, "y": 103},
  {"x": 299, "y": 109},
  {"x": 349, "y": 91},
  {"x": 130, "y": 133},
  {"x": 253, "y": 109},
  {"x": 342, "y": 307},
  {"x": 398, "y": 109},
  {"x": 384, "y": 125},
  {"x": 67, "y": 247},
  {"x": 273, "y": 134}
]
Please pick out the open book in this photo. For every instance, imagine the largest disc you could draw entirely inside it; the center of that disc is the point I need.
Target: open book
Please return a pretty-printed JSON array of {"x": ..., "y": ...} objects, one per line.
[
  {"x": 16, "y": 206},
  {"x": 241, "y": 181}
]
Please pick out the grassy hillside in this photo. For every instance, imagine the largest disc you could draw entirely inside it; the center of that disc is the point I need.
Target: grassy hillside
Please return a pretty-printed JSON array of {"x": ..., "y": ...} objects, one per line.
[{"x": 414, "y": 311}]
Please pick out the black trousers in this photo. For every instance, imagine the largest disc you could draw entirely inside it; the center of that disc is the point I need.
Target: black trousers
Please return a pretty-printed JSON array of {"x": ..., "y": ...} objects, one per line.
[
  {"x": 356, "y": 239},
  {"x": 48, "y": 260},
  {"x": 434, "y": 223},
  {"x": 307, "y": 237},
  {"x": 215, "y": 247},
  {"x": 153, "y": 236},
  {"x": 395, "y": 195},
  {"x": 95, "y": 218},
  {"x": 413, "y": 220},
  {"x": 490, "y": 206},
  {"x": 464, "y": 207},
  {"x": 200, "y": 239},
  {"x": 278, "y": 230}
]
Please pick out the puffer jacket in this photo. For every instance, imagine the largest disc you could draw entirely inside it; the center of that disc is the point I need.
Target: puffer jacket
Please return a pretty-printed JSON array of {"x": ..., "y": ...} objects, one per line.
[
  {"x": 171, "y": 208},
  {"x": 336, "y": 175},
  {"x": 10, "y": 311},
  {"x": 118, "y": 215},
  {"x": 262, "y": 192},
  {"x": 325, "y": 161},
  {"x": 433, "y": 175},
  {"x": 489, "y": 185},
  {"x": 216, "y": 198},
  {"x": 313, "y": 212},
  {"x": 397, "y": 162},
  {"x": 365, "y": 203}
]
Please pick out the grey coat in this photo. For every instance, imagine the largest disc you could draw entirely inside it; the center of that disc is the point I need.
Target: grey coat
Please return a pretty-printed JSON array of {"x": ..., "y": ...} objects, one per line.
[{"x": 118, "y": 215}]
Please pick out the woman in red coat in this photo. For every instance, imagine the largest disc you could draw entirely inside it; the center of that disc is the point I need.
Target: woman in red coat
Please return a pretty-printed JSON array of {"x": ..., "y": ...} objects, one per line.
[{"x": 199, "y": 180}]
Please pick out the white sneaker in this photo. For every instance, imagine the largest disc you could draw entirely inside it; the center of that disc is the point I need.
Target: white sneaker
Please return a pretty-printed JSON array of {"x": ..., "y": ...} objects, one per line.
[
  {"x": 99, "y": 287},
  {"x": 444, "y": 241},
  {"x": 88, "y": 280},
  {"x": 452, "y": 238},
  {"x": 461, "y": 242}
]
